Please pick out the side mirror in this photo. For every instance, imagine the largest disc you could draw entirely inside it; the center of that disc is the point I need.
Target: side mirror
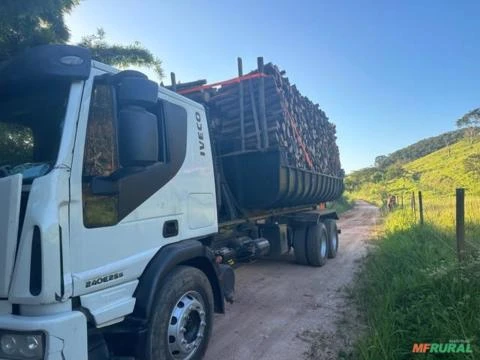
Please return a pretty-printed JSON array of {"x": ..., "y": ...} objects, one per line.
[
  {"x": 136, "y": 91},
  {"x": 137, "y": 137},
  {"x": 137, "y": 128}
]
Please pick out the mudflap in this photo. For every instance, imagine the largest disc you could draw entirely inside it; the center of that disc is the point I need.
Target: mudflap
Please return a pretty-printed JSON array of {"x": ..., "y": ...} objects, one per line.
[{"x": 226, "y": 275}]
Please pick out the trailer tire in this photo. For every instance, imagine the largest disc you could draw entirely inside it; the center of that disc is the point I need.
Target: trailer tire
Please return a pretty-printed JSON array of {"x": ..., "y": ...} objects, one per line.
[
  {"x": 317, "y": 245},
  {"x": 181, "y": 321},
  {"x": 300, "y": 245},
  {"x": 332, "y": 233}
]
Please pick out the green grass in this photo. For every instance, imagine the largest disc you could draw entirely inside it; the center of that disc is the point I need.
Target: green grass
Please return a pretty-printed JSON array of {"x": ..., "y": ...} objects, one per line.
[{"x": 413, "y": 290}]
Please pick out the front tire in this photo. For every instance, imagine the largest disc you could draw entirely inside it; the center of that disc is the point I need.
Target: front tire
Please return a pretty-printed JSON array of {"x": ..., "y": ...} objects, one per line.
[{"x": 181, "y": 321}]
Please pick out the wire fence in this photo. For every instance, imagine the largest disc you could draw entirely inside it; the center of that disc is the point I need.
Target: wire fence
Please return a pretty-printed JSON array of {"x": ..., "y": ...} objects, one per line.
[{"x": 456, "y": 215}]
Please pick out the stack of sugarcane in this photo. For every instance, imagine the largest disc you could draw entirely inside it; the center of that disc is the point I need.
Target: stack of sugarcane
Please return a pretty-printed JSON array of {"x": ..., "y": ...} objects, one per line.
[{"x": 262, "y": 111}]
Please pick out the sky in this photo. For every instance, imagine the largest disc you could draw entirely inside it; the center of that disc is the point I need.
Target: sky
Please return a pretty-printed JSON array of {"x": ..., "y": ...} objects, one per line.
[{"x": 387, "y": 73}]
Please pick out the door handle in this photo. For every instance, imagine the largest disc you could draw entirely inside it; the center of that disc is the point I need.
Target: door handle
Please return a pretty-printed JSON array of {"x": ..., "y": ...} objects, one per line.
[{"x": 170, "y": 228}]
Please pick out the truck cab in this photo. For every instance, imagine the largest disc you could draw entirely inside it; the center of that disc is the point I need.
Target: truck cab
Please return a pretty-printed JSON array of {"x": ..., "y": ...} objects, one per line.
[{"x": 99, "y": 170}]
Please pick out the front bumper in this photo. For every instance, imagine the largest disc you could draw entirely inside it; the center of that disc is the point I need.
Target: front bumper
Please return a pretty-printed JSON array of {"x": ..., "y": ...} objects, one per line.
[{"x": 65, "y": 333}]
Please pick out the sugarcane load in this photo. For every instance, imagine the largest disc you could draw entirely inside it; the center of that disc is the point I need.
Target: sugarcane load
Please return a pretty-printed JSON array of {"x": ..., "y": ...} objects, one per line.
[{"x": 260, "y": 122}]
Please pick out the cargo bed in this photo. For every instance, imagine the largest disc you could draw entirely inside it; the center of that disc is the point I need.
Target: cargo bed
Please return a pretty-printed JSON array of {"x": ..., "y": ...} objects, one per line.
[{"x": 259, "y": 181}]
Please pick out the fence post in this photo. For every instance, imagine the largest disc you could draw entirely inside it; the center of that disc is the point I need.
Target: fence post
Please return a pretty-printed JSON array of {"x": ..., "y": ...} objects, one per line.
[
  {"x": 412, "y": 204},
  {"x": 420, "y": 206},
  {"x": 460, "y": 214}
]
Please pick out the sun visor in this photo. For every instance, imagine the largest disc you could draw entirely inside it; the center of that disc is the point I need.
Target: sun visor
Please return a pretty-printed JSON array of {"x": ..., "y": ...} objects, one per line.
[{"x": 46, "y": 62}]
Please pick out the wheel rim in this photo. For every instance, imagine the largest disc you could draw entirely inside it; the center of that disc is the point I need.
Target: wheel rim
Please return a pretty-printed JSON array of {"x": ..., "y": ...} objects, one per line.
[
  {"x": 187, "y": 326},
  {"x": 334, "y": 240},
  {"x": 323, "y": 246}
]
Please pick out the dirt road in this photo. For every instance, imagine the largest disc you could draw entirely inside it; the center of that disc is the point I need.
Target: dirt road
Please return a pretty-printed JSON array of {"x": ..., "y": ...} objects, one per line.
[{"x": 285, "y": 311}]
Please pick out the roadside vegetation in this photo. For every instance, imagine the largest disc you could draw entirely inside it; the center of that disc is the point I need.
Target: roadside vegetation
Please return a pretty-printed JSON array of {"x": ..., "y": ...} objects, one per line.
[
  {"x": 412, "y": 288},
  {"x": 344, "y": 203}
]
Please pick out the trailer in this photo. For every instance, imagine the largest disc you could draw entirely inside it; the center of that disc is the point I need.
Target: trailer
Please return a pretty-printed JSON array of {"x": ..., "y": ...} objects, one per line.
[{"x": 125, "y": 209}]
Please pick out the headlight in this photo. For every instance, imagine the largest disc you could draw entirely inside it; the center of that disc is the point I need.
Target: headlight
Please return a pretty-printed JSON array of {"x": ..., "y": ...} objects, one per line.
[{"x": 21, "y": 346}]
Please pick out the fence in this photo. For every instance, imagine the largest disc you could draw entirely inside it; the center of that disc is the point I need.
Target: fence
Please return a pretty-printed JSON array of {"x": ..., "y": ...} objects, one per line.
[{"x": 457, "y": 215}]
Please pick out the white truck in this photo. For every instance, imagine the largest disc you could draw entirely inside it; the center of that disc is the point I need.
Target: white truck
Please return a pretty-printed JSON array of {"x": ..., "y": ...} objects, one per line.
[{"x": 113, "y": 244}]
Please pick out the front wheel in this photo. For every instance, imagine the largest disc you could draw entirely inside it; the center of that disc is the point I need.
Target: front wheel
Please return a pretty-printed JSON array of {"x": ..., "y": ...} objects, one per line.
[{"x": 181, "y": 320}]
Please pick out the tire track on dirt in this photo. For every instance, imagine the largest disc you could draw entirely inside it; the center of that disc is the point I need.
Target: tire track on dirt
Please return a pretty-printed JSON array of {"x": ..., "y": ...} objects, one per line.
[{"x": 281, "y": 307}]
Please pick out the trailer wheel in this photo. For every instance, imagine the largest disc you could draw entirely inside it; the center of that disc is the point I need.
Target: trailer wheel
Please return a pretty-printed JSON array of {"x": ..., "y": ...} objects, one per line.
[
  {"x": 181, "y": 320},
  {"x": 299, "y": 245},
  {"x": 332, "y": 232},
  {"x": 317, "y": 245}
]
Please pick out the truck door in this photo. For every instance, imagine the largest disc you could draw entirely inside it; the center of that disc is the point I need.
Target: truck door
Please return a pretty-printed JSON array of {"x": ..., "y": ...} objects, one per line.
[{"x": 117, "y": 225}]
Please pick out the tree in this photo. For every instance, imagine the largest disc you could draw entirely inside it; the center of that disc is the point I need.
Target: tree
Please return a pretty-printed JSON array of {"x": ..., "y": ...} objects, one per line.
[
  {"x": 381, "y": 161},
  {"x": 472, "y": 164},
  {"x": 471, "y": 122},
  {"x": 16, "y": 144},
  {"x": 120, "y": 55},
  {"x": 395, "y": 171},
  {"x": 378, "y": 177},
  {"x": 416, "y": 176},
  {"x": 27, "y": 23},
  {"x": 350, "y": 184}
]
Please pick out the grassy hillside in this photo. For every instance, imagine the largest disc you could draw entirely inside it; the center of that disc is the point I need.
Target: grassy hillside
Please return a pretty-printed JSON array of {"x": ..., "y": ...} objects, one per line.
[
  {"x": 420, "y": 148},
  {"x": 443, "y": 170},
  {"x": 438, "y": 173}
]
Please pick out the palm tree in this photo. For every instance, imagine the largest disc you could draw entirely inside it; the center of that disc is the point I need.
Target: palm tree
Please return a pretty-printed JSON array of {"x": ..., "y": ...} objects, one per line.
[{"x": 121, "y": 55}]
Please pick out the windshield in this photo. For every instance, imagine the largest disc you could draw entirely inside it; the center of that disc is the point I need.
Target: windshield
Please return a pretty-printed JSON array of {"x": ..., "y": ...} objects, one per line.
[{"x": 31, "y": 120}]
